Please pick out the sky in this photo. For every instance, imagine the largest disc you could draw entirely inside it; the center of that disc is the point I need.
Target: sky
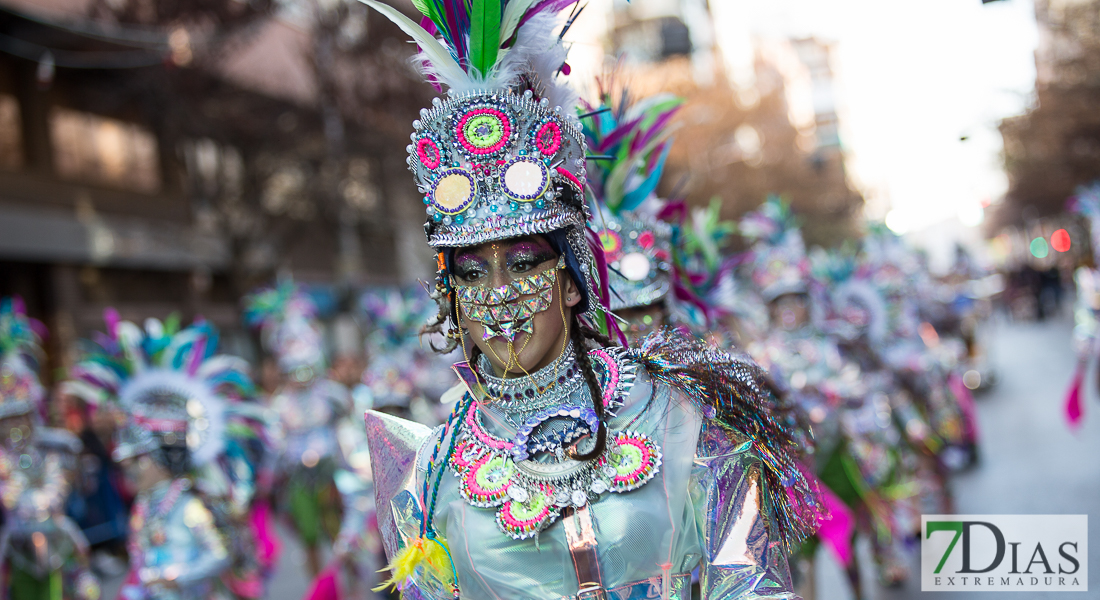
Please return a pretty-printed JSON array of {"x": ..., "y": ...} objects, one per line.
[{"x": 913, "y": 79}]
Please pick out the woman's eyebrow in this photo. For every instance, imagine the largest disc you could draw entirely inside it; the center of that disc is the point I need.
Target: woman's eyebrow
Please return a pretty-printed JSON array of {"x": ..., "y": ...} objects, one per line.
[
  {"x": 467, "y": 258},
  {"x": 528, "y": 250}
]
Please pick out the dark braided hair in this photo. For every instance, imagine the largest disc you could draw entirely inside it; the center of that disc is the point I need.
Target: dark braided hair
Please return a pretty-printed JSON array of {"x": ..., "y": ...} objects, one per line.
[{"x": 579, "y": 334}]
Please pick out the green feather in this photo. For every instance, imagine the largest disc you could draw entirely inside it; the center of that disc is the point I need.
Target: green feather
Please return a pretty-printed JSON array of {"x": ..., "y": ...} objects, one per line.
[
  {"x": 484, "y": 35},
  {"x": 422, "y": 6}
]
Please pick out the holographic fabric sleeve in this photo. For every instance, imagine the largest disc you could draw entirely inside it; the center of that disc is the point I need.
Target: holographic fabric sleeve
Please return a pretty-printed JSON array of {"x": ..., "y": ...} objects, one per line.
[
  {"x": 210, "y": 544},
  {"x": 393, "y": 444},
  {"x": 743, "y": 555},
  {"x": 732, "y": 393}
]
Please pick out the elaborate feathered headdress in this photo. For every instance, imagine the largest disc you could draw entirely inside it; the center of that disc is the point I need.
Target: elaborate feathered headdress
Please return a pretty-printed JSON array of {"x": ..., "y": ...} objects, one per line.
[
  {"x": 169, "y": 382},
  {"x": 503, "y": 155},
  {"x": 710, "y": 272},
  {"x": 633, "y": 141},
  {"x": 779, "y": 264},
  {"x": 287, "y": 320},
  {"x": 20, "y": 390}
]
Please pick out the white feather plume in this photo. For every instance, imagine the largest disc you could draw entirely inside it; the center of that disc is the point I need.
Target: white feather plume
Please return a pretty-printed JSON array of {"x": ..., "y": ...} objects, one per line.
[{"x": 537, "y": 51}]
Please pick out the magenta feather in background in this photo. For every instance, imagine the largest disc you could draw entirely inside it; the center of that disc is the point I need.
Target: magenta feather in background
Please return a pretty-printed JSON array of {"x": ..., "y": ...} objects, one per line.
[
  {"x": 1072, "y": 406},
  {"x": 604, "y": 295},
  {"x": 618, "y": 134},
  {"x": 546, "y": 5},
  {"x": 110, "y": 315},
  {"x": 658, "y": 125}
]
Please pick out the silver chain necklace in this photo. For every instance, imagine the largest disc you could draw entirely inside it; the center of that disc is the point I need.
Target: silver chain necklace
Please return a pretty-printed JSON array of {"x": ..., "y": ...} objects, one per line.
[{"x": 550, "y": 386}]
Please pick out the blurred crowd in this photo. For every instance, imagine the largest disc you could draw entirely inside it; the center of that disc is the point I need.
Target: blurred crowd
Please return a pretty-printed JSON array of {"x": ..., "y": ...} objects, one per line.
[{"x": 163, "y": 459}]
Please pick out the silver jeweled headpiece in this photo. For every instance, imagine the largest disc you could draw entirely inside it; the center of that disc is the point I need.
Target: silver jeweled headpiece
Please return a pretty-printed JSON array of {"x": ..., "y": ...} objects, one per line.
[{"x": 497, "y": 165}]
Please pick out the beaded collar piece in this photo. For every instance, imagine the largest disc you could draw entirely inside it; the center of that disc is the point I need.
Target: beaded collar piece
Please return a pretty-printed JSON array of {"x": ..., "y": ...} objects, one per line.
[{"x": 528, "y": 494}]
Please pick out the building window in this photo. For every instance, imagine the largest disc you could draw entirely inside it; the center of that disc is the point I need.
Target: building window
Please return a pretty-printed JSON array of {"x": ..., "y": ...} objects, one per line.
[
  {"x": 11, "y": 138},
  {"x": 96, "y": 149}
]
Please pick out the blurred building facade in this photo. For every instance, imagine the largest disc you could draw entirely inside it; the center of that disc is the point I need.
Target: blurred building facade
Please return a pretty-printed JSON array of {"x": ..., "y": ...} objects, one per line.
[
  {"x": 161, "y": 157},
  {"x": 761, "y": 115},
  {"x": 1055, "y": 146}
]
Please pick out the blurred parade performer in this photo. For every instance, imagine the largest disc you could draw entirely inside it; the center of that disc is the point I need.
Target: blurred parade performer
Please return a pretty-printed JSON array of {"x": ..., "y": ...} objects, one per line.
[
  {"x": 182, "y": 452},
  {"x": 44, "y": 553},
  {"x": 1086, "y": 311},
  {"x": 390, "y": 382},
  {"x": 308, "y": 408},
  {"x": 859, "y": 454},
  {"x": 636, "y": 244},
  {"x": 914, "y": 350},
  {"x": 710, "y": 276},
  {"x": 570, "y": 467}
]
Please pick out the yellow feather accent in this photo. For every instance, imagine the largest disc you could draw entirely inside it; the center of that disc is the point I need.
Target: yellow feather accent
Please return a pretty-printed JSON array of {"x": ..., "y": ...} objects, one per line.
[{"x": 432, "y": 553}]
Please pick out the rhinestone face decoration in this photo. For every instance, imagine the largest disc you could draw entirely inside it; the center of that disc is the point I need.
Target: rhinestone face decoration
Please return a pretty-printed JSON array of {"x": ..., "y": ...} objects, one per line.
[
  {"x": 507, "y": 310},
  {"x": 493, "y": 166}
]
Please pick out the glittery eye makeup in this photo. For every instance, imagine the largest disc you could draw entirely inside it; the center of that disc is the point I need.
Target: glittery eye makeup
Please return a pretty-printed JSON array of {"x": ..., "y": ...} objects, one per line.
[
  {"x": 526, "y": 255},
  {"x": 470, "y": 267}
]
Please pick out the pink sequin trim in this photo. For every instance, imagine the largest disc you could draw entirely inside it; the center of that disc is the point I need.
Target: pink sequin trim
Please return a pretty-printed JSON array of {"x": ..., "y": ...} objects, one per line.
[
  {"x": 647, "y": 456},
  {"x": 505, "y": 127},
  {"x": 612, "y": 375},
  {"x": 483, "y": 436},
  {"x": 548, "y": 139},
  {"x": 571, "y": 177},
  {"x": 428, "y": 153}
]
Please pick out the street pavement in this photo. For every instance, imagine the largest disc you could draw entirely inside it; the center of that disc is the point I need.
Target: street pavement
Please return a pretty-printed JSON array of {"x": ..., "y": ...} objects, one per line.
[{"x": 1030, "y": 462}]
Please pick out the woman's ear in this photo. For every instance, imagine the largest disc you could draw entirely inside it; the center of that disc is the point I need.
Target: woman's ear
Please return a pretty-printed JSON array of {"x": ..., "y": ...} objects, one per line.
[{"x": 572, "y": 292}]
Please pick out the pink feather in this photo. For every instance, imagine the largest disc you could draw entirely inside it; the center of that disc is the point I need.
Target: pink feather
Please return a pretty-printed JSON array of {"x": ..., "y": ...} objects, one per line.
[
  {"x": 111, "y": 316},
  {"x": 1074, "y": 410}
]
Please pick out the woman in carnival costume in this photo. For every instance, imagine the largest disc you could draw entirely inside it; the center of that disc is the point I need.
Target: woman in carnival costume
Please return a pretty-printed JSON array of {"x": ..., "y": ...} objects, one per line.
[
  {"x": 859, "y": 457},
  {"x": 183, "y": 451},
  {"x": 308, "y": 407},
  {"x": 44, "y": 553},
  {"x": 570, "y": 467},
  {"x": 634, "y": 139}
]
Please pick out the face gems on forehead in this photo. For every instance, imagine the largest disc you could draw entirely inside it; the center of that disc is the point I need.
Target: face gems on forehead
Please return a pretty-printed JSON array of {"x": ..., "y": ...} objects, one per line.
[{"x": 504, "y": 311}]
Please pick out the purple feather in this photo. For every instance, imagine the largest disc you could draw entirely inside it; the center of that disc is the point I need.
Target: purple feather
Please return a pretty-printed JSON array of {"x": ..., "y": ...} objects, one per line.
[
  {"x": 429, "y": 26},
  {"x": 110, "y": 315},
  {"x": 604, "y": 295},
  {"x": 198, "y": 354},
  {"x": 546, "y": 5},
  {"x": 673, "y": 212},
  {"x": 658, "y": 124},
  {"x": 454, "y": 27},
  {"x": 617, "y": 135}
]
